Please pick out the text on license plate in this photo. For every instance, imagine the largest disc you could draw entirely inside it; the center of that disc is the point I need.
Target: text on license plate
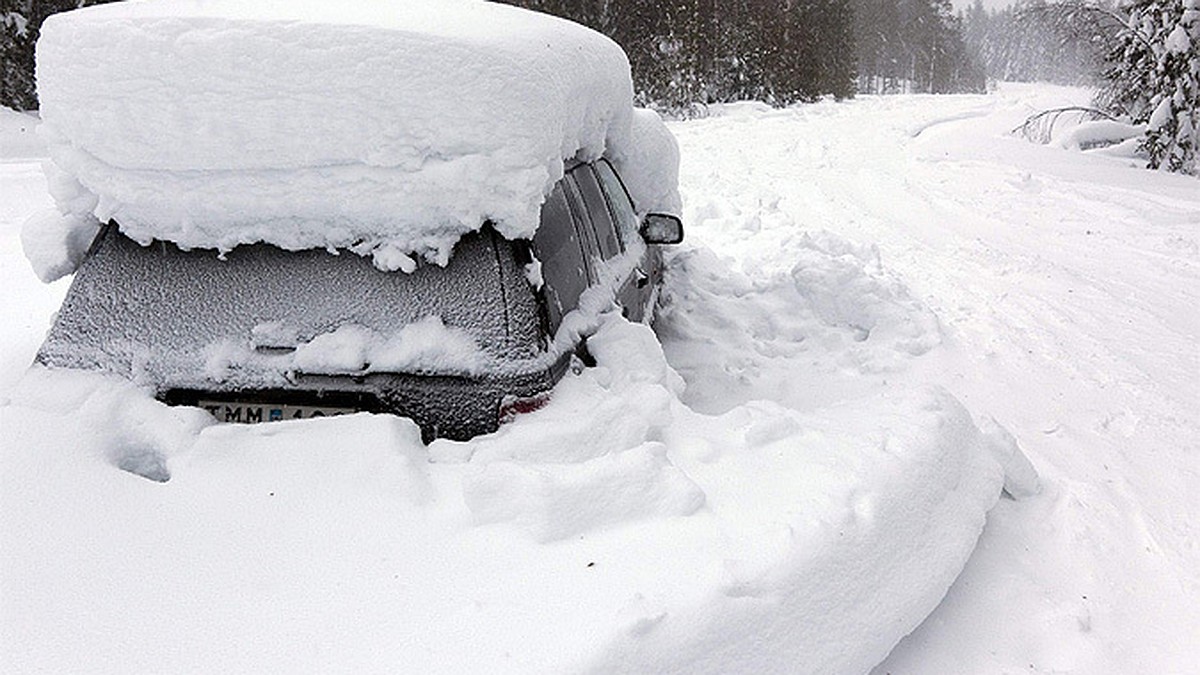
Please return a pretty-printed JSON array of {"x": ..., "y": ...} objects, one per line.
[{"x": 249, "y": 413}]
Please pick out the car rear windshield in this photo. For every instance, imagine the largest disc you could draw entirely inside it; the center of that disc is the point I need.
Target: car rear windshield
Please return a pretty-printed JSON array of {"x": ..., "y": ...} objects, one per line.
[{"x": 132, "y": 307}]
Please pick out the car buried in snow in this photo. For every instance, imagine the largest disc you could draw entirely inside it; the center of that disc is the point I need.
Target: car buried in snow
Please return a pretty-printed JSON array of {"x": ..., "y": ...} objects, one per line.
[
  {"x": 427, "y": 220},
  {"x": 268, "y": 334}
]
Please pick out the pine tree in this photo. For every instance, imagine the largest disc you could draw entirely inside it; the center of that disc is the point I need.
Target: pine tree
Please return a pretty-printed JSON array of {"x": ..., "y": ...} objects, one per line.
[
  {"x": 1060, "y": 42},
  {"x": 912, "y": 45},
  {"x": 1155, "y": 78},
  {"x": 20, "y": 25},
  {"x": 17, "y": 38}
]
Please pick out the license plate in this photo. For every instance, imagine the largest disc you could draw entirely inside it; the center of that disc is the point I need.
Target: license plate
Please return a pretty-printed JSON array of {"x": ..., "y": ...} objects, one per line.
[{"x": 251, "y": 413}]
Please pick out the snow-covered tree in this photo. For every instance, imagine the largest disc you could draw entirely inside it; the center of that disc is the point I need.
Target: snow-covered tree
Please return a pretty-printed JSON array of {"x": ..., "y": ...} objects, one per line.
[
  {"x": 689, "y": 52},
  {"x": 1039, "y": 41},
  {"x": 17, "y": 38},
  {"x": 1154, "y": 77},
  {"x": 912, "y": 45},
  {"x": 1145, "y": 54},
  {"x": 20, "y": 23}
]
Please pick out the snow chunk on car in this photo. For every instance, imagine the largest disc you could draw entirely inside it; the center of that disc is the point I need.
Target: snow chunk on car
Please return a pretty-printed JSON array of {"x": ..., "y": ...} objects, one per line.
[
  {"x": 427, "y": 345},
  {"x": 383, "y": 126}
]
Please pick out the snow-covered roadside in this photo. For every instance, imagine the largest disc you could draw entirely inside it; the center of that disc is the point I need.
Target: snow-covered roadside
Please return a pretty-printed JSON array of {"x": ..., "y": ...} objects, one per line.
[
  {"x": 1065, "y": 290},
  {"x": 25, "y": 303}
]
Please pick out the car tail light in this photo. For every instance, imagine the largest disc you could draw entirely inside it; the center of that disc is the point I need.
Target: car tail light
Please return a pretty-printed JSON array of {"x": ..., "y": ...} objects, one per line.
[{"x": 511, "y": 406}]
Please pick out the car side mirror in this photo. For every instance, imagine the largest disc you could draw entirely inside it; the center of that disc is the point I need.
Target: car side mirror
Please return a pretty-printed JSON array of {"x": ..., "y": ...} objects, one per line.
[{"x": 661, "y": 228}]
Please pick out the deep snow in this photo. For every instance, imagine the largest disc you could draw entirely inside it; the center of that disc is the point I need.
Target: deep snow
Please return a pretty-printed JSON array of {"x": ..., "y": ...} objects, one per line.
[{"x": 841, "y": 258}]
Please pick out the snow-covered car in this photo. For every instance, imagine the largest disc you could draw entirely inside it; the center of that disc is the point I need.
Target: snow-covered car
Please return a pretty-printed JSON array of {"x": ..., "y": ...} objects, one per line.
[
  {"x": 310, "y": 208},
  {"x": 473, "y": 336}
]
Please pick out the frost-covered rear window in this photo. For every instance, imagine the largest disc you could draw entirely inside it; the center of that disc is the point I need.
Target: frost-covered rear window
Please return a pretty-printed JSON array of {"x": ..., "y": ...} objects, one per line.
[{"x": 187, "y": 317}]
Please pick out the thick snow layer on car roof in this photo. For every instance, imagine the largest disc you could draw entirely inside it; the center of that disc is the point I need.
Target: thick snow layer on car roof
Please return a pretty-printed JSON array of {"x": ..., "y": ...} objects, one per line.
[{"x": 391, "y": 127}]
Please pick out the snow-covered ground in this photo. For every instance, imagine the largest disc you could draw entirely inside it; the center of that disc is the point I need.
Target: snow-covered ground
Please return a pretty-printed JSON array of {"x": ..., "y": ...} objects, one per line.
[
  {"x": 853, "y": 272},
  {"x": 1066, "y": 287}
]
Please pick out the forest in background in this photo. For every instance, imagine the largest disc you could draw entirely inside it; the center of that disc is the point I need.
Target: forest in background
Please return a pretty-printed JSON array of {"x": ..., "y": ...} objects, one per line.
[
  {"x": 1143, "y": 56},
  {"x": 687, "y": 53}
]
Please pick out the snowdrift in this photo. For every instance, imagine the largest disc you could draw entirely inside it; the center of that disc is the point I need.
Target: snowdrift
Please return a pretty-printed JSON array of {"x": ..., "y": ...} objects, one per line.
[
  {"x": 615, "y": 530},
  {"x": 385, "y": 126}
]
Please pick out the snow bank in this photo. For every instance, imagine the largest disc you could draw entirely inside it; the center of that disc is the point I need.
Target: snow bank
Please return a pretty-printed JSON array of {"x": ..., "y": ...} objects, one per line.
[
  {"x": 17, "y": 130},
  {"x": 832, "y": 315},
  {"x": 738, "y": 109},
  {"x": 1097, "y": 134},
  {"x": 614, "y": 530},
  {"x": 384, "y": 126}
]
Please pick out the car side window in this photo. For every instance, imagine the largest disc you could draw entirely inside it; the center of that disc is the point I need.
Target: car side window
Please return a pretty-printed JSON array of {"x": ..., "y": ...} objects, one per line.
[
  {"x": 618, "y": 202},
  {"x": 598, "y": 208},
  {"x": 583, "y": 221},
  {"x": 557, "y": 247}
]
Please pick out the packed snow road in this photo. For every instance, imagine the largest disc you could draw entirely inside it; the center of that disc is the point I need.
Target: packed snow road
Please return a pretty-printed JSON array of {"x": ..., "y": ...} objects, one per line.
[{"x": 864, "y": 285}]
